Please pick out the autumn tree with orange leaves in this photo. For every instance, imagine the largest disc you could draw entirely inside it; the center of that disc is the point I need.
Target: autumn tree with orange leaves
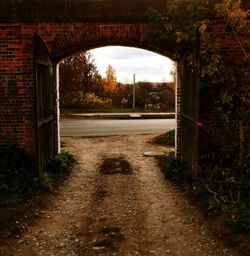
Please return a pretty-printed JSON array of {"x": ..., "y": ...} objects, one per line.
[{"x": 110, "y": 81}]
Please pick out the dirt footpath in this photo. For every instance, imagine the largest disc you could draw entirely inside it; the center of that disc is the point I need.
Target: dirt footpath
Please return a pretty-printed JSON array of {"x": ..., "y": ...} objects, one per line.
[{"x": 136, "y": 212}]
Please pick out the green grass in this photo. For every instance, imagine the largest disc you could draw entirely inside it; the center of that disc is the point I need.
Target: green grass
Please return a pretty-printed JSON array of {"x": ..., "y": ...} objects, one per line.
[{"x": 166, "y": 139}]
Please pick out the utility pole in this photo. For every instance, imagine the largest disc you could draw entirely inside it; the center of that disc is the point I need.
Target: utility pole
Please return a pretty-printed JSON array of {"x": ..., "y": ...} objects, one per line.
[{"x": 134, "y": 93}]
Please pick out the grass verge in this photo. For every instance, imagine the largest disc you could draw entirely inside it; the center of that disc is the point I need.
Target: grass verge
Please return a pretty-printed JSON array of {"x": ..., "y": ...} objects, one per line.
[{"x": 166, "y": 139}]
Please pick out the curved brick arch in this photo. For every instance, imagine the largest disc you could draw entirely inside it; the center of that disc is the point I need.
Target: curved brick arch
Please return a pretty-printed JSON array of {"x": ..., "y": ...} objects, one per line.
[
  {"x": 63, "y": 40},
  {"x": 66, "y": 28}
]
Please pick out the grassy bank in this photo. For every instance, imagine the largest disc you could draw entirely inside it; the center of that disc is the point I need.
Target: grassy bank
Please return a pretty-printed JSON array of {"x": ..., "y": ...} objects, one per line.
[{"x": 166, "y": 139}]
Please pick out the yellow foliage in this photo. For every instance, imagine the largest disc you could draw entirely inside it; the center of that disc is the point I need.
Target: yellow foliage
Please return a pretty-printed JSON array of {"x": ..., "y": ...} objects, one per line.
[
  {"x": 110, "y": 80},
  {"x": 231, "y": 11}
]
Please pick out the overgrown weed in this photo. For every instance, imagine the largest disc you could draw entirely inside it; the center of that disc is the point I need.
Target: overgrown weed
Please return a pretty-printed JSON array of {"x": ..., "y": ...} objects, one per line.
[
  {"x": 166, "y": 139},
  {"x": 19, "y": 177},
  {"x": 223, "y": 191}
]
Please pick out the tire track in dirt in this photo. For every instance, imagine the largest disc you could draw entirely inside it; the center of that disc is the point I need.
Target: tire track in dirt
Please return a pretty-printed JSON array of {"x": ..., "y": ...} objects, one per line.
[
  {"x": 125, "y": 215},
  {"x": 115, "y": 218}
]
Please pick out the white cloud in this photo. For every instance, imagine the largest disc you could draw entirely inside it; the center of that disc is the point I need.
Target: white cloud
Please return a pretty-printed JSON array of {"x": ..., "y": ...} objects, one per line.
[{"x": 147, "y": 66}]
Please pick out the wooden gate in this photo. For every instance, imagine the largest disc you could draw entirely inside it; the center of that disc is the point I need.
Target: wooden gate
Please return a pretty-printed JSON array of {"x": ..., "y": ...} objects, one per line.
[
  {"x": 190, "y": 97},
  {"x": 44, "y": 98}
]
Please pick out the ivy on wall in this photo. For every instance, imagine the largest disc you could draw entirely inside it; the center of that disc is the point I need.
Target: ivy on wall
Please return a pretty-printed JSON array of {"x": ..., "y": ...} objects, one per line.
[
  {"x": 223, "y": 186},
  {"x": 187, "y": 25}
]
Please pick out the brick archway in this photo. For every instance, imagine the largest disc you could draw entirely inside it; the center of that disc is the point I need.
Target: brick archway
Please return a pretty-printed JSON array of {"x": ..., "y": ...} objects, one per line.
[
  {"x": 66, "y": 27},
  {"x": 66, "y": 39}
]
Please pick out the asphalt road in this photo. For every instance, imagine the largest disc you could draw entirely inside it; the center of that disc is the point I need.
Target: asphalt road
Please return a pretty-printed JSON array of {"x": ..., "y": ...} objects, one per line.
[{"x": 106, "y": 127}]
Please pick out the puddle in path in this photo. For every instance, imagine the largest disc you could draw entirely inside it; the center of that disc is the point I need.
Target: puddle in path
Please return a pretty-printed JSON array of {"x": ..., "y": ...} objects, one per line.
[{"x": 115, "y": 165}]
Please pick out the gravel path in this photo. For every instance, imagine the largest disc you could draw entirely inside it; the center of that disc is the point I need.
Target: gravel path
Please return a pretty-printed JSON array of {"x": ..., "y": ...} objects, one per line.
[{"x": 125, "y": 215}]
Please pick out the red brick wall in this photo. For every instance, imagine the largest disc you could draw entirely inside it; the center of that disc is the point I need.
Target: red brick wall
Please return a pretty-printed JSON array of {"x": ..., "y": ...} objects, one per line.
[
  {"x": 17, "y": 78},
  {"x": 235, "y": 61},
  {"x": 16, "y": 87}
]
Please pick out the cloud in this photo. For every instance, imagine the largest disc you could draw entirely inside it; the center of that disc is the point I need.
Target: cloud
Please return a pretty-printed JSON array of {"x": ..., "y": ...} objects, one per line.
[
  {"x": 121, "y": 53},
  {"x": 147, "y": 66}
]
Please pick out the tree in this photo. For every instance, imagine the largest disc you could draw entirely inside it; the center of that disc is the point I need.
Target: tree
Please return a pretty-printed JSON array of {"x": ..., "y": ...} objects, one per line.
[
  {"x": 167, "y": 96},
  {"x": 143, "y": 90},
  {"x": 110, "y": 83},
  {"x": 92, "y": 80},
  {"x": 78, "y": 76}
]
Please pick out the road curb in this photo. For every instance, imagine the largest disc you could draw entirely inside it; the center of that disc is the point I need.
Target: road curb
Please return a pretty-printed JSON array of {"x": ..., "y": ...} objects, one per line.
[{"x": 119, "y": 116}]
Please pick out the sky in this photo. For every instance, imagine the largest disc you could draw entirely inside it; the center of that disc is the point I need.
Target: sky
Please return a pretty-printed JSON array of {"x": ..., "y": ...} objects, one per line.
[{"x": 147, "y": 66}]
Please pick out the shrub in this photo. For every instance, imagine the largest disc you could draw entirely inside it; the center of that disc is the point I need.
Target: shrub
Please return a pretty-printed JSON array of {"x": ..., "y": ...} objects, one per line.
[
  {"x": 174, "y": 169},
  {"x": 57, "y": 167},
  {"x": 91, "y": 100},
  {"x": 222, "y": 190},
  {"x": 166, "y": 139},
  {"x": 229, "y": 194},
  {"x": 18, "y": 174}
]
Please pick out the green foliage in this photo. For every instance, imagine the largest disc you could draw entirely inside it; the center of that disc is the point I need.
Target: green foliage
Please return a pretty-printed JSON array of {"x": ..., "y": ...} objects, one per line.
[
  {"x": 235, "y": 98},
  {"x": 185, "y": 29},
  {"x": 57, "y": 167},
  {"x": 166, "y": 139},
  {"x": 59, "y": 162},
  {"x": 222, "y": 190},
  {"x": 229, "y": 194},
  {"x": 175, "y": 169},
  {"x": 18, "y": 175},
  {"x": 186, "y": 26},
  {"x": 159, "y": 34},
  {"x": 180, "y": 27},
  {"x": 225, "y": 187},
  {"x": 185, "y": 18}
]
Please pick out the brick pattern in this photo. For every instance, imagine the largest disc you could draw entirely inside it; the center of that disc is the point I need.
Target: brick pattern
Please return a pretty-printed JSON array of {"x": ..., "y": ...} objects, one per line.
[
  {"x": 17, "y": 73},
  {"x": 13, "y": 94},
  {"x": 236, "y": 62},
  {"x": 17, "y": 78},
  {"x": 65, "y": 39}
]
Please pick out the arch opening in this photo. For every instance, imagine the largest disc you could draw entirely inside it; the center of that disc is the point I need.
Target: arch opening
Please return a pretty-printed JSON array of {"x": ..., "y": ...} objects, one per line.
[
  {"x": 155, "y": 80},
  {"x": 79, "y": 37}
]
